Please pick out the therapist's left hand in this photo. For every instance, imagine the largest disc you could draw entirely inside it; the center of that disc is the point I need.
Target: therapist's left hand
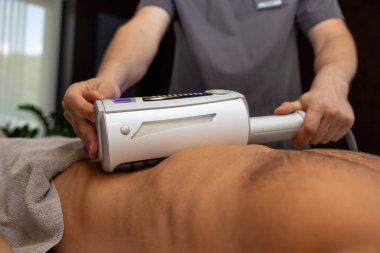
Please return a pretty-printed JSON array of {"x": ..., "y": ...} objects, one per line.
[{"x": 329, "y": 115}]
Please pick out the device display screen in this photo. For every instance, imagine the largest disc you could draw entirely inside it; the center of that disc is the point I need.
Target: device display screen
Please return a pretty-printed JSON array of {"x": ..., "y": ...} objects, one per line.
[
  {"x": 161, "y": 97},
  {"x": 175, "y": 96}
]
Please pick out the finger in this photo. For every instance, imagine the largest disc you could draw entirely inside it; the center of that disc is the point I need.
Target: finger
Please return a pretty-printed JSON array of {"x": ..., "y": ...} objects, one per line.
[
  {"x": 68, "y": 117},
  {"x": 308, "y": 128},
  {"x": 87, "y": 133},
  {"x": 92, "y": 142},
  {"x": 92, "y": 96},
  {"x": 72, "y": 120},
  {"x": 341, "y": 133},
  {"x": 330, "y": 134},
  {"x": 337, "y": 123},
  {"x": 78, "y": 105},
  {"x": 288, "y": 107},
  {"x": 325, "y": 128},
  {"x": 347, "y": 125}
]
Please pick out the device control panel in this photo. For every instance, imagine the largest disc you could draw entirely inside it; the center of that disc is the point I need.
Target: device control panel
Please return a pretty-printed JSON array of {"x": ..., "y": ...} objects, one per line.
[{"x": 165, "y": 101}]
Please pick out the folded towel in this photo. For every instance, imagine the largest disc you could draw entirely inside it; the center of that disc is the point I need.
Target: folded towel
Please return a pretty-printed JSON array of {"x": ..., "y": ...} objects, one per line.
[{"x": 30, "y": 210}]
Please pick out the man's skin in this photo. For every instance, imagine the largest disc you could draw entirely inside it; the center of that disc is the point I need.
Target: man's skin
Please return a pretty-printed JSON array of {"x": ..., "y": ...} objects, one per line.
[
  {"x": 226, "y": 199},
  {"x": 4, "y": 245},
  {"x": 329, "y": 115}
]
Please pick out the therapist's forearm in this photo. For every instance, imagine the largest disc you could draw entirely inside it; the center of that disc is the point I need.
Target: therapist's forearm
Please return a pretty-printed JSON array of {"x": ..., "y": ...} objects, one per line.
[
  {"x": 127, "y": 57},
  {"x": 133, "y": 48},
  {"x": 336, "y": 58}
]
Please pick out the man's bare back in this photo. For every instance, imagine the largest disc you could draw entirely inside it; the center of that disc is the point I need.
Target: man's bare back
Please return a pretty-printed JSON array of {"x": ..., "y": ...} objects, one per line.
[{"x": 226, "y": 199}]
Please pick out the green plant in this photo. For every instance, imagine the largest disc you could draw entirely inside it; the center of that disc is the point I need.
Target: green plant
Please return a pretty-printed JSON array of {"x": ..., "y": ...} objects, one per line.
[{"x": 54, "y": 124}]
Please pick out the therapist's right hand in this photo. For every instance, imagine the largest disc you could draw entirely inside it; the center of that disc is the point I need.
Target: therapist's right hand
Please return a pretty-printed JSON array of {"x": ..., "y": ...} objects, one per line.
[{"x": 79, "y": 109}]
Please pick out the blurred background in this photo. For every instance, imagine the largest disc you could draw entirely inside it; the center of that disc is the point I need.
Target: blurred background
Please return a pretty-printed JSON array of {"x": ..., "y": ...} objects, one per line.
[{"x": 45, "y": 45}]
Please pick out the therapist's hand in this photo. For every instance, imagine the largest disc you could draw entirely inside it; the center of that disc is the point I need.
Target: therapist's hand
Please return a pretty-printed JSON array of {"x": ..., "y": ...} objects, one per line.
[
  {"x": 79, "y": 109},
  {"x": 329, "y": 115}
]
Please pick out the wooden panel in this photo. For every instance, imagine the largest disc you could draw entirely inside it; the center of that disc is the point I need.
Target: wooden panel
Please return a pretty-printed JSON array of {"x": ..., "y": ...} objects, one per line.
[{"x": 364, "y": 21}]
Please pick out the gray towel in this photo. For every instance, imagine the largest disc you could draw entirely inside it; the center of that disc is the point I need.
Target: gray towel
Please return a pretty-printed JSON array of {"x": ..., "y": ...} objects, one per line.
[{"x": 30, "y": 210}]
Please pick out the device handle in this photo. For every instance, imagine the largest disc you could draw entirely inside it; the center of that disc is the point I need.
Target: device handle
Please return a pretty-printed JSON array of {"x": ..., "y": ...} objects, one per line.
[{"x": 267, "y": 129}]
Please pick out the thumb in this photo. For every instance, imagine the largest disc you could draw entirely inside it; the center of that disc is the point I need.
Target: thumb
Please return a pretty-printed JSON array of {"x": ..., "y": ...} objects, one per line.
[
  {"x": 92, "y": 96},
  {"x": 288, "y": 107}
]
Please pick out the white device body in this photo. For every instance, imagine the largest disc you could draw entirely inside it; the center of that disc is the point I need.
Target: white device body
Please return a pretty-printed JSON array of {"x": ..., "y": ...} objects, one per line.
[
  {"x": 267, "y": 129},
  {"x": 142, "y": 128},
  {"x": 139, "y": 130}
]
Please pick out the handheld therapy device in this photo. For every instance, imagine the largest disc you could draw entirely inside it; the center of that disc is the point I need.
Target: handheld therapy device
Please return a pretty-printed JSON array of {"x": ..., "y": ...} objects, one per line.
[{"x": 144, "y": 128}]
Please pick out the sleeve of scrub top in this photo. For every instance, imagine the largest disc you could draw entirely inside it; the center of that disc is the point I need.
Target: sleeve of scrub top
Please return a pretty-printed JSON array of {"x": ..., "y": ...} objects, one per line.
[
  {"x": 312, "y": 12},
  {"x": 167, "y": 5}
]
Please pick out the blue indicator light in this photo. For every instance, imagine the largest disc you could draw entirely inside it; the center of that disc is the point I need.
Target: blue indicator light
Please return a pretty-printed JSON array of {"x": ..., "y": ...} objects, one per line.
[{"x": 123, "y": 100}]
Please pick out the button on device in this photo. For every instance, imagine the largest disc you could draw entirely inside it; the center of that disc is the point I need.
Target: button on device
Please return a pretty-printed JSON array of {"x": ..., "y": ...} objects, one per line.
[
  {"x": 125, "y": 130},
  {"x": 218, "y": 91}
]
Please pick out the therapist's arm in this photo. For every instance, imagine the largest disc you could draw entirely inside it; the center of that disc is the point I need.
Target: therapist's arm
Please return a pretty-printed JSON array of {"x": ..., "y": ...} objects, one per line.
[
  {"x": 329, "y": 115},
  {"x": 134, "y": 47},
  {"x": 126, "y": 61}
]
